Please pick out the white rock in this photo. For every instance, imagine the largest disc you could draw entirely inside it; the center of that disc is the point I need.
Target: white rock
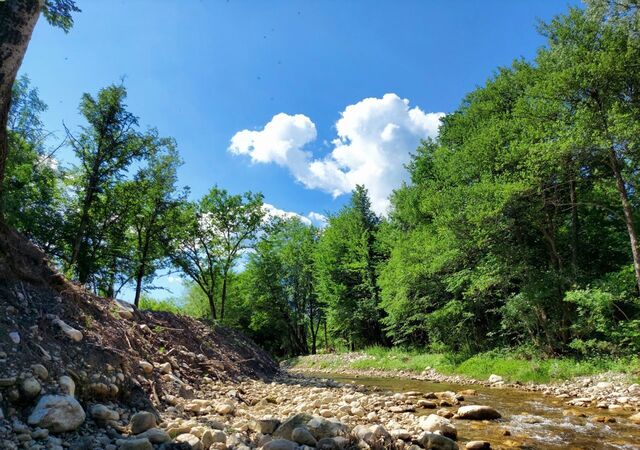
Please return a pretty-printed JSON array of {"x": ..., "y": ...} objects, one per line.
[
  {"x": 102, "y": 412},
  {"x": 67, "y": 385},
  {"x": 436, "y": 424},
  {"x": 57, "y": 413},
  {"x": 15, "y": 337},
  {"x": 146, "y": 367},
  {"x": 495, "y": 378},
  {"x": 69, "y": 331},
  {"x": 190, "y": 439},
  {"x": 31, "y": 387}
]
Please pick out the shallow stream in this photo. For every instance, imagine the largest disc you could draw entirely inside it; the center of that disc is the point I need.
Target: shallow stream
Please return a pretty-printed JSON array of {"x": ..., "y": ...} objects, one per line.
[{"x": 534, "y": 421}]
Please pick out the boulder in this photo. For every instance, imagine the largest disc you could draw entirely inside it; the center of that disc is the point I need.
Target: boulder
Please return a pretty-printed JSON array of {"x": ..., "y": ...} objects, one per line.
[
  {"x": 57, "y": 413},
  {"x": 477, "y": 412},
  {"x": 142, "y": 421},
  {"x": 303, "y": 437},
  {"x": 286, "y": 428},
  {"x": 495, "y": 378},
  {"x": 280, "y": 444},
  {"x": 322, "y": 428},
  {"x": 431, "y": 441},
  {"x": 264, "y": 426},
  {"x": 225, "y": 408},
  {"x": 437, "y": 424}
]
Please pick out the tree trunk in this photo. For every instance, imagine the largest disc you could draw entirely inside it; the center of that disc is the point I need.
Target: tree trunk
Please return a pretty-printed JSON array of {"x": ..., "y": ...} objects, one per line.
[
  {"x": 628, "y": 212},
  {"x": 139, "y": 277},
  {"x": 575, "y": 227},
  {"x": 17, "y": 20},
  {"x": 212, "y": 305},
  {"x": 223, "y": 297}
]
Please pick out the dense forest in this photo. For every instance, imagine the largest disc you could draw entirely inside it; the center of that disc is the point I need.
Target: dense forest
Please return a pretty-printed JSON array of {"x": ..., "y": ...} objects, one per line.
[{"x": 516, "y": 229}]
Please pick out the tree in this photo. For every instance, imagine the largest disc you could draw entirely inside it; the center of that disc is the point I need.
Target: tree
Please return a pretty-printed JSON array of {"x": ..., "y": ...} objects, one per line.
[
  {"x": 105, "y": 148},
  {"x": 280, "y": 288},
  {"x": 212, "y": 234},
  {"x": 237, "y": 220},
  {"x": 152, "y": 191},
  {"x": 346, "y": 265},
  {"x": 17, "y": 21}
]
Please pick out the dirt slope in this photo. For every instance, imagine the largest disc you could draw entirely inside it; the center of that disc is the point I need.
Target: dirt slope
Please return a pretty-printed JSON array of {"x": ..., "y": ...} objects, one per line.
[{"x": 109, "y": 350}]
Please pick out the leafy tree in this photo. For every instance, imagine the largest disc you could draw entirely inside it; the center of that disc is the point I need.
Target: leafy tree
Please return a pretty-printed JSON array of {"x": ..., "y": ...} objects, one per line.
[
  {"x": 346, "y": 265},
  {"x": 106, "y": 148},
  {"x": 211, "y": 236}
]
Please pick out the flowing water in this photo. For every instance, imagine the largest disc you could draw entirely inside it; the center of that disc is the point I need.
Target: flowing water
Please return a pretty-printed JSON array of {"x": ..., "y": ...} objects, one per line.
[{"x": 535, "y": 421}]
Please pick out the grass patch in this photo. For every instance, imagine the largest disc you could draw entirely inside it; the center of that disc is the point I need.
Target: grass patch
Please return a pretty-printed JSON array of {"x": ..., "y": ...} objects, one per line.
[{"x": 510, "y": 367}]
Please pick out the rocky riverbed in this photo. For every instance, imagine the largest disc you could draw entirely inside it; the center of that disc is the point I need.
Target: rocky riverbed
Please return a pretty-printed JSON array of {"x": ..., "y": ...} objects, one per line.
[{"x": 302, "y": 413}]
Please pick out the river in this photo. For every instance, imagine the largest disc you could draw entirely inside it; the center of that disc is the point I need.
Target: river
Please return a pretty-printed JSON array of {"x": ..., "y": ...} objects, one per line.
[{"x": 534, "y": 421}]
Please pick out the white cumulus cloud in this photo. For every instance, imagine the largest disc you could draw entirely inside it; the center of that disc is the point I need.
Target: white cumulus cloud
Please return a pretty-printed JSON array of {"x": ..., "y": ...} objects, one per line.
[
  {"x": 271, "y": 212},
  {"x": 375, "y": 138}
]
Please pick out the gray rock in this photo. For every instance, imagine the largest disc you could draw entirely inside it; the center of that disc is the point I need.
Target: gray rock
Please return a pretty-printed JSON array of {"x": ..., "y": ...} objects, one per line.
[
  {"x": 284, "y": 431},
  {"x": 40, "y": 371},
  {"x": 322, "y": 428},
  {"x": 103, "y": 413},
  {"x": 68, "y": 330},
  {"x": 477, "y": 412},
  {"x": 142, "y": 421},
  {"x": 134, "y": 444},
  {"x": 431, "y": 441},
  {"x": 280, "y": 444},
  {"x": 303, "y": 436},
  {"x": 264, "y": 426},
  {"x": 30, "y": 387},
  {"x": 15, "y": 337},
  {"x": 155, "y": 436},
  {"x": 57, "y": 413},
  {"x": 67, "y": 385},
  {"x": 495, "y": 378}
]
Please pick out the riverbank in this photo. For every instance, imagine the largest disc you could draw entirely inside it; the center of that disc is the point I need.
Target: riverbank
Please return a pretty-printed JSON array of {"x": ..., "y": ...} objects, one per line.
[{"x": 612, "y": 386}]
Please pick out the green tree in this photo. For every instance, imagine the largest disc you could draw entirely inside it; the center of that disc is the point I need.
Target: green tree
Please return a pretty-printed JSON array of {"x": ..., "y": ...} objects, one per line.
[
  {"x": 346, "y": 265},
  {"x": 106, "y": 148}
]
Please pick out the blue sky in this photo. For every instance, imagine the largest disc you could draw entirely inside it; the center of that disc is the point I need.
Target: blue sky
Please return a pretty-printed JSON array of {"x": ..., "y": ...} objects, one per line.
[{"x": 203, "y": 71}]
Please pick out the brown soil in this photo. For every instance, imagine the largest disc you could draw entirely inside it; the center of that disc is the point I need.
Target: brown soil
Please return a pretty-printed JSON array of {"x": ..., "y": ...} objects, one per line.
[{"x": 32, "y": 293}]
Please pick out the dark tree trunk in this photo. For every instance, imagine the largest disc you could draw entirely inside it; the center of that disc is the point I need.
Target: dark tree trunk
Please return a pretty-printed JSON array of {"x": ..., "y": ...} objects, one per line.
[
  {"x": 17, "y": 20},
  {"x": 628, "y": 212},
  {"x": 575, "y": 227},
  {"x": 223, "y": 297},
  {"x": 212, "y": 305},
  {"x": 139, "y": 277}
]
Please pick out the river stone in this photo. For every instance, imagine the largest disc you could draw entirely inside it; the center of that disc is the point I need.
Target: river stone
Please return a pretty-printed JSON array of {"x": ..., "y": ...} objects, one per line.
[
  {"x": 495, "y": 378},
  {"x": 478, "y": 445},
  {"x": 67, "y": 385},
  {"x": 322, "y": 428},
  {"x": 284, "y": 431},
  {"x": 431, "y": 441},
  {"x": 103, "y": 413},
  {"x": 40, "y": 371},
  {"x": 134, "y": 444},
  {"x": 146, "y": 366},
  {"x": 437, "y": 424},
  {"x": 635, "y": 418},
  {"x": 142, "y": 421},
  {"x": 477, "y": 412},
  {"x": 303, "y": 437},
  {"x": 68, "y": 330},
  {"x": 30, "y": 387},
  {"x": 190, "y": 439},
  {"x": 280, "y": 444},
  {"x": 264, "y": 426},
  {"x": 57, "y": 413}
]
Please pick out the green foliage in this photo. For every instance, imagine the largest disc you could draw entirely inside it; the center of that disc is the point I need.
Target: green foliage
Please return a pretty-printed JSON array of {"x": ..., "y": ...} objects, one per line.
[
  {"x": 346, "y": 264},
  {"x": 59, "y": 13}
]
